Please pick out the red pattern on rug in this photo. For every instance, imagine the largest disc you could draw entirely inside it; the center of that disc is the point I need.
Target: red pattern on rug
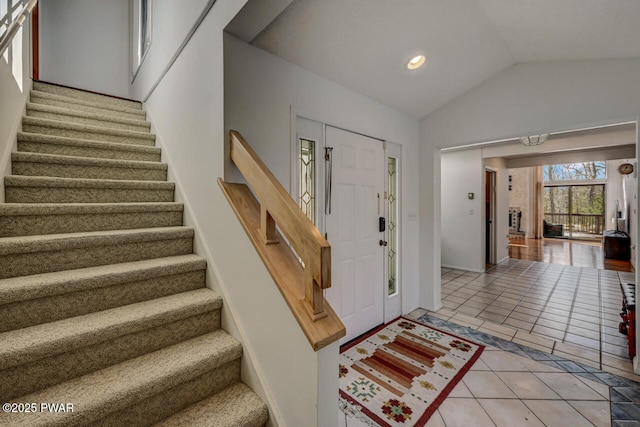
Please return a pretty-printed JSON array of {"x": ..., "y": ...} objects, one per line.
[{"x": 399, "y": 373}]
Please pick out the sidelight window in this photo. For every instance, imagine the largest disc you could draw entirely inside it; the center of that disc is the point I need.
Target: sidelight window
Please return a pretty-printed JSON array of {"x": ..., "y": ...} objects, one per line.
[
  {"x": 392, "y": 228},
  {"x": 307, "y": 171}
]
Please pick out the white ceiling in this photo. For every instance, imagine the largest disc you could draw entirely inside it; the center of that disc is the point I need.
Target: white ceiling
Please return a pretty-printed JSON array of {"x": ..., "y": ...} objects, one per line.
[{"x": 364, "y": 44}]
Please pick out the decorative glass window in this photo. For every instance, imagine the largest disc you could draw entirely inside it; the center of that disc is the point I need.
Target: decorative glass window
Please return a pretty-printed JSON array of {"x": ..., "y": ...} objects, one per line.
[
  {"x": 392, "y": 227},
  {"x": 307, "y": 169}
]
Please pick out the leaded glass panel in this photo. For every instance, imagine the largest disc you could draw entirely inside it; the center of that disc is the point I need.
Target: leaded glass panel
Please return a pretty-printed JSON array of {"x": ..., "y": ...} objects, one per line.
[
  {"x": 392, "y": 198},
  {"x": 307, "y": 168}
]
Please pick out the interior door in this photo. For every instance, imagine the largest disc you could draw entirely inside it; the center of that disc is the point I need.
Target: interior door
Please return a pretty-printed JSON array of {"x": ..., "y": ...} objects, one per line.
[{"x": 352, "y": 226}]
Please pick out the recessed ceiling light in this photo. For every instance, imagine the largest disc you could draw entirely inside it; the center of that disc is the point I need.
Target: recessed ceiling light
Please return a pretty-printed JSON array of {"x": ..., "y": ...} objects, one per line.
[{"x": 416, "y": 62}]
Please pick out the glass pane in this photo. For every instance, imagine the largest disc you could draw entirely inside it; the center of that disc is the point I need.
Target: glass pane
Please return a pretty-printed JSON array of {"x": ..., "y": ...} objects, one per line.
[
  {"x": 392, "y": 227},
  {"x": 307, "y": 168},
  {"x": 556, "y": 212},
  {"x": 575, "y": 211},
  {"x": 587, "y": 211},
  {"x": 575, "y": 171}
]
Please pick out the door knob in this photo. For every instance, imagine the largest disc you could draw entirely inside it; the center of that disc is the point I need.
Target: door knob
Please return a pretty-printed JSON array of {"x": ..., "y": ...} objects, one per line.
[{"x": 383, "y": 243}]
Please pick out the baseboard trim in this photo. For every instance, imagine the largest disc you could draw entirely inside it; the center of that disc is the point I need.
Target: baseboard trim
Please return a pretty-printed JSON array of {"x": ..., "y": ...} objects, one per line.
[{"x": 456, "y": 267}]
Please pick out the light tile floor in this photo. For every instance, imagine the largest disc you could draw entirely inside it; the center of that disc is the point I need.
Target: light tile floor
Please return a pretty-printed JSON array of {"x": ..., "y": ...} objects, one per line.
[
  {"x": 554, "y": 355},
  {"x": 566, "y": 310}
]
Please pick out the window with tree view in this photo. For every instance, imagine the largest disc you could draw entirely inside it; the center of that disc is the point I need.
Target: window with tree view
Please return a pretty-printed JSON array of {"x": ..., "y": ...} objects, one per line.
[
  {"x": 574, "y": 199},
  {"x": 575, "y": 171}
]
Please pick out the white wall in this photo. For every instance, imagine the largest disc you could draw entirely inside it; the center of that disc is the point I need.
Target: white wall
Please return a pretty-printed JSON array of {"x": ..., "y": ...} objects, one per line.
[
  {"x": 85, "y": 44},
  {"x": 15, "y": 84},
  {"x": 463, "y": 232},
  {"x": 260, "y": 92},
  {"x": 462, "y": 218}
]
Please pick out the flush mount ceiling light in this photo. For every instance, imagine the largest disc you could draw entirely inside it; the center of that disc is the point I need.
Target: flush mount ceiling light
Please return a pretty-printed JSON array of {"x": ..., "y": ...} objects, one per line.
[
  {"x": 416, "y": 62},
  {"x": 532, "y": 140}
]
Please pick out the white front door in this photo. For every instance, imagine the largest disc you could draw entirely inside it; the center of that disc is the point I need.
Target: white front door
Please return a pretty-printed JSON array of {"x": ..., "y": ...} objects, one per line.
[{"x": 352, "y": 226}]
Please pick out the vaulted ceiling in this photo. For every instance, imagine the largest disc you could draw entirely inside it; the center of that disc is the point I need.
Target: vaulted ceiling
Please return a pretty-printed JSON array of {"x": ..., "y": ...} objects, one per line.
[{"x": 365, "y": 44}]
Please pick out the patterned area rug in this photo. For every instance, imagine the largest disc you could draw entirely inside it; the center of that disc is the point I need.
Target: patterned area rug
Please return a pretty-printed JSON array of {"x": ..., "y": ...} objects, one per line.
[{"x": 399, "y": 373}]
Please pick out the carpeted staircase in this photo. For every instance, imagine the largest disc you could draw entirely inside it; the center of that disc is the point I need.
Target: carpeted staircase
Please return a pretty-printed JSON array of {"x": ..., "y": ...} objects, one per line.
[{"x": 103, "y": 305}]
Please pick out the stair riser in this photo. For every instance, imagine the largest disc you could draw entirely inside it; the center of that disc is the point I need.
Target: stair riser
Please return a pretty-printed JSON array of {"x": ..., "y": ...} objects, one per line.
[
  {"x": 42, "y": 310},
  {"x": 80, "y": 151},
  {"x": 31, "y": 225},
  {"x": 92, "y": 136},
  {"x": 79, "y": 94},
  {"x": 85, "y": 171},
  {"x": 168, "y": 402},
  {"x": 86, "y": 108},
  {"x": 24, "y": 379},
  {"x": 84, "y": 195},
  {"x": 88, "y": 121},
  {"x": 23, "y": 264}
]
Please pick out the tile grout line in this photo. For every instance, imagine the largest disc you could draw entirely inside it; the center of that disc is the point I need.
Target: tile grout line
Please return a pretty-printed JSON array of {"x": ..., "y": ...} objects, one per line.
[
  {"x": 601, "y": 319},
  {"x": 549, "y": 298},
  {"x": 573, "y": 304}
]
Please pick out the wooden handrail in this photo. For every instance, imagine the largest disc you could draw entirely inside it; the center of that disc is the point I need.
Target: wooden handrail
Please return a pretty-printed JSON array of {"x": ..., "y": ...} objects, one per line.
[{"x": 277, "y": 207}]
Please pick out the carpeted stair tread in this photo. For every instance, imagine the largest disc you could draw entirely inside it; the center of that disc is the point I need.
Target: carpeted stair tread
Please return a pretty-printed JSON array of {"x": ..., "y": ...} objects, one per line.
[
  {"x": 17, "y": 209},
  {"x": 47, "y": 297},
  {"x": 25, "y": 255},
  {"x": 85, "y": 117},
  {"x": 117, "y": 387},
  {"x": 84, "y": 95},
  {"x": 56, "y": 242},
  {"x": 58, "y": 159},
  {"x": 45, "y": 98},
  {"x": 76, "y": 147},
  {"x": 234, "y": 406},
  {"x": 82, "y": 131},
  {"x": 27, "y": 219},
  {"x": 49, "y": 284},
  {"x": 39, "y": 164},
  {"x": 47, "y": 181},
  {"x": 37, "y": 189},
  {"x": 27, "y": 345}
]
